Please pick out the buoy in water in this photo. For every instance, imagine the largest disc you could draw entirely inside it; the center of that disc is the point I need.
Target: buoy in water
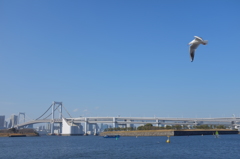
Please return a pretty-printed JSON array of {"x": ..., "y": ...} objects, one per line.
[{"x": 168, "y": 140}]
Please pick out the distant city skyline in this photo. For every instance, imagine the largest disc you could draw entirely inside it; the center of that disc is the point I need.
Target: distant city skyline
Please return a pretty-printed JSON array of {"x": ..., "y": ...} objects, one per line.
[{"x": 128, "y": 58}]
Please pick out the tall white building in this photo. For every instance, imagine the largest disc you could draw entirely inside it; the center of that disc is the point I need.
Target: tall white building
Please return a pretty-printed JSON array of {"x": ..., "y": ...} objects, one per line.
[
  {"x": 5, "y": 124},
  {"x": 13, "y": 121}
]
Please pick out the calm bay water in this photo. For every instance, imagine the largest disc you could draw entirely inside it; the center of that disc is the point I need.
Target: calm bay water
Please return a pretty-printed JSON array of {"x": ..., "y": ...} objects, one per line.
[{"x": 74, "y": 147}]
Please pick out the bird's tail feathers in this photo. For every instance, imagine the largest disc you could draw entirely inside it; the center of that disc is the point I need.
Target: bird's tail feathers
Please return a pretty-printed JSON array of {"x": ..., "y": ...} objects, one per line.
[{"x": 205, "y": 41}]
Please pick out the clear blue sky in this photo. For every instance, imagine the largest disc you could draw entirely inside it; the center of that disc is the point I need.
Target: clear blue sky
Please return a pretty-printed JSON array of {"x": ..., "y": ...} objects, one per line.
[{"x": 128, "y": 58}]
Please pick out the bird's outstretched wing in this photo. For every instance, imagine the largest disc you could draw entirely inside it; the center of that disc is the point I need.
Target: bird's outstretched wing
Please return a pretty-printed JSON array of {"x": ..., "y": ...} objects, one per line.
[
  {"x": 192, "y": 52},
  {"x": 193, "y": 47},
  {"x": 198, "y": 38}
]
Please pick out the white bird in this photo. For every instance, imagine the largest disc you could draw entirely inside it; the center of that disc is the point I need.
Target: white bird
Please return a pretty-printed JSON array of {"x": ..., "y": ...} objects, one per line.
[{"x": 194, "y": 44}]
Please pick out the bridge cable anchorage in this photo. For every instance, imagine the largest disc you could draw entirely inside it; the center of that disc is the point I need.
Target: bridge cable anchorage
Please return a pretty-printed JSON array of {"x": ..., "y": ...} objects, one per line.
[
  {"x": 67, "y": 111},
  {"x": 51, "y": 113},
  {"x": 44, "y": 113}
]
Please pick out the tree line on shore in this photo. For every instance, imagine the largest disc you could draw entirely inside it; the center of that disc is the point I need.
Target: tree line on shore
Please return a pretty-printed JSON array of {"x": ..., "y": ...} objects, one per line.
[{"x": 149, "y": 126}]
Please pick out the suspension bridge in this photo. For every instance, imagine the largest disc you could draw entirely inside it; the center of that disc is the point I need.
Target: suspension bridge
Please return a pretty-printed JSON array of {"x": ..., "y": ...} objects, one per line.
[{"x": 81, "y": 125}]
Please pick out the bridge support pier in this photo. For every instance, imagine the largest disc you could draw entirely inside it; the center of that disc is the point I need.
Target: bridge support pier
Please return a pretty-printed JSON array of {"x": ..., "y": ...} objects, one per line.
[
  {"x": 114, "y": 123},
  {"x": 52, "y": 122},
  {"x": 95, "y": 130},
  {"x": 60, "y": 117},
  {"x": 85, "y": 127},
  {"x": 157, "y": 121}
]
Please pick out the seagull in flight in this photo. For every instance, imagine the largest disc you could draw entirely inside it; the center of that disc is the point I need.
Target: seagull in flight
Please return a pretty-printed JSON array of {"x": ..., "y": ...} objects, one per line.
[{"x": 194, "y": 44}]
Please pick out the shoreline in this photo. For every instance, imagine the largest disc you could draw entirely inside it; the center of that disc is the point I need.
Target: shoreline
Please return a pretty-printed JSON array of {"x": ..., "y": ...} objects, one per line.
[
  {"x": 188, "y": 132},
  {"x": 18, "y": 134}
]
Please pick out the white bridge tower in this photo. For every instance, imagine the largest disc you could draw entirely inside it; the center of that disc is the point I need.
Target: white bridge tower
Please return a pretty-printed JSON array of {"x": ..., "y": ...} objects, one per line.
[{"x": 55, "y": 106}]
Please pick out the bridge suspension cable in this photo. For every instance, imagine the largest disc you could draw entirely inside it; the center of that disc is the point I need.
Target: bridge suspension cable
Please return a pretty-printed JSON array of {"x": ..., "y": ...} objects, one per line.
[
  {"x": 54, "y": 111},
  {"x": 44, "y": 112},
  {"x": 67, "y": 111},
  {"x": 29, "y": 118},
  {"x": 51, "y": 113},
  {"x": 61, "y": 113}
]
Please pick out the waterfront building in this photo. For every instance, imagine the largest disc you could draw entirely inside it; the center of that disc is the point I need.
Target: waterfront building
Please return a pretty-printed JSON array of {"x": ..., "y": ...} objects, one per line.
[
  {"x": 5, "y": 124},
  {"x": 104, "y": 126},
  {"x": 13, "y": 121},
  {"x": 30, "y": 126},
  {"x": 130, "y": 125},
  {"x": 101, "y": 127},
  {"x": 95, "y": 129},
  {"x": 122, "y": 125},
  {"x": 48, "y": 127},
  {"x": 2, "y": 121},
  {"x": 40, "y": 128},
  {"x": 90, "y": 127},
  {"x": 78, "y": 129},
  {"x": 9, "y": 124}
]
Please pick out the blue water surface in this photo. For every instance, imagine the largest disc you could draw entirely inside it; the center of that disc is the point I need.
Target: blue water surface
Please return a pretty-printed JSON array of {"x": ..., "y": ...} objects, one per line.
[{"x": 97, "y": 147}]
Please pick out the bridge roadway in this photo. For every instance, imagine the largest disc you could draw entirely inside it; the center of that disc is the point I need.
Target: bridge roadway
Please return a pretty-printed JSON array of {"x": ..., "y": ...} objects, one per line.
[
  {"x": 40, "y": 121},
  {"x": 140, "y": 120},
  {"x": 153, "y": 120}
]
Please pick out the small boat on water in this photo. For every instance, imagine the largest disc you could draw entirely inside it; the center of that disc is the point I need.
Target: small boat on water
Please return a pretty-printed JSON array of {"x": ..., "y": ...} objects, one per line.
[
  {"x": 111, "y": 136},
  {"x": 216, "y": 134}
]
